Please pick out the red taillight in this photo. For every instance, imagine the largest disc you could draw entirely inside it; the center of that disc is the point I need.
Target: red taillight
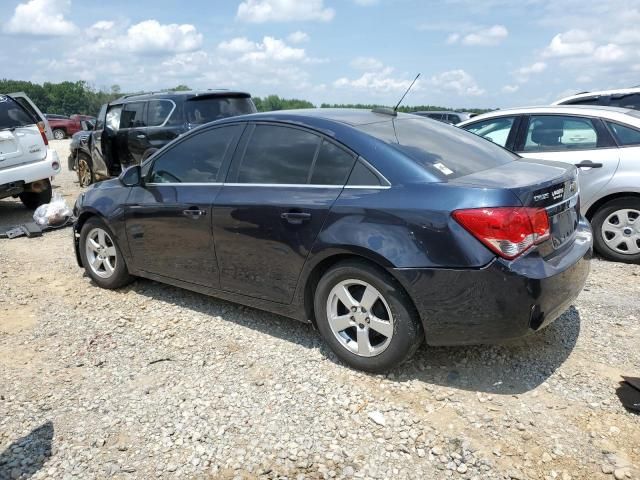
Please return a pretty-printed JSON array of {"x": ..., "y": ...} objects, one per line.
[
  {"x": 508, "y": 231},
  {"x": 43, "y": 132}
]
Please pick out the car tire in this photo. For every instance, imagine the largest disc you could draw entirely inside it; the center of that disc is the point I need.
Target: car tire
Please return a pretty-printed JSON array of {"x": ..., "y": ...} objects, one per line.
[
  {"x": 33, "y": 200},
  {"x": 84, "y": 169},
  {"x": 59, "y": 134},
  {"x": 616, "y": 228},
  {"x": 148, "y": 153},
  {"x": 373, "y": 337},
  {"x": 101, "y": 256}
]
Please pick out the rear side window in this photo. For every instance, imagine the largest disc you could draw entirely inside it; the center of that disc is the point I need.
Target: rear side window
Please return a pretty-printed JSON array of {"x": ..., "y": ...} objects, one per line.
[
  {"x": 200, "y": 110},
  {"x": 363, "y": 176},
  {"x": 332, "y": 166},
  {"x": 133, "y": 115},
  {"x": 589, "y": 101},
  {"x": 494, "y": 129},
  {"x": 445, "y": 151},
  {"x": 626, "y": 101},
  {"x": 557, "y": 132},
  {"x": 158, "y": 111},
  {"x": 12, "y": 115},
  {"x": 624, "y": 135},
  {"x": 278, "y": 155},
  {"x": 197, "y": 159}
]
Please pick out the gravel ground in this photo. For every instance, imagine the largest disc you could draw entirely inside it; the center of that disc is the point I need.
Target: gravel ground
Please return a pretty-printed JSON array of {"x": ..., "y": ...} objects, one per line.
[{"x": 154, "y": 382}]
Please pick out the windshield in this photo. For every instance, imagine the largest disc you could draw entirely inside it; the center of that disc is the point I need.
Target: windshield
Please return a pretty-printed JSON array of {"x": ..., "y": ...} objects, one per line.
[
  {"x": 443, "y": 150},
  {"x": 208, "y": 109},
  {"x": 12, "y": 115}
]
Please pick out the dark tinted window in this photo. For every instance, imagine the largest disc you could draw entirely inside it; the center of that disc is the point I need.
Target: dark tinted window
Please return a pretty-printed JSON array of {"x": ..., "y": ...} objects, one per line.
[
  {"x": 158, "y": 111},
  {"x": 12, "y": 115},
  {"x": 132, "y": 115},
  {"x": 557, "y": 132},
  {"x": 453, "y": 118},
  {"x": 197, "y": 159},
  {"x": 278, "y": 155},
  {"x": 441, "y": 149},
  {"x": 332, "y": 165},
  {"x": 626, "y": 101},
  {"x": 362, "y": 175},
  {"x": 101, "y": 117},
  {"x": 589, "y": 101},
  {"x": 625, "y": 135},
  {"x": 208, "y": 109}
]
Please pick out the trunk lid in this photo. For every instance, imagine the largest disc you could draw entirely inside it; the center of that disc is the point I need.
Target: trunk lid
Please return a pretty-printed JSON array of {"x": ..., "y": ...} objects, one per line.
[
  {"x": 20, "y": 139},
  {"x": 538, "y": 183}
]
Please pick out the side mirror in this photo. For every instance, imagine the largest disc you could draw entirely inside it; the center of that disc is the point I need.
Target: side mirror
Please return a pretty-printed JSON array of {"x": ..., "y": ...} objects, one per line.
[{"x": 132, "y": 176}]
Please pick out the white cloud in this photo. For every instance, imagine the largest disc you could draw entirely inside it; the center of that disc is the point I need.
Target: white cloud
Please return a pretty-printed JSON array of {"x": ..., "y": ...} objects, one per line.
[
  {"x": 366, "y": 63},
  {"x": 261, "y": 11},
  {"x": 524, "y": 73},
  {"x": 365, "y": 3},
  {"x": 571, "y": 43},
  {"x": 41, "y": 17},
  {"x": 151, "y": 36},
  {"x": 237, "y": 45},
  {"x": 484, "y": 37},
  {"x": 458, "y": 82},
  {"x": 376, "y": 82},
  {"x": 271, "y": 49},
  {"x": 298, "y": 37},
  {"x": 510, "y": 88},
  {"x": 609, "y": 53}
]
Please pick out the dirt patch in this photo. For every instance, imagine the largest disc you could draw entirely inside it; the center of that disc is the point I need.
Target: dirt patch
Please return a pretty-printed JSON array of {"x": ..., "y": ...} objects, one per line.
[{"x": 17, "y": 319}]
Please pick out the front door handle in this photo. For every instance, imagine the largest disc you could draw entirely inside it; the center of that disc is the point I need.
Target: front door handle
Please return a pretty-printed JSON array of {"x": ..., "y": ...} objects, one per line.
[
  {"x": 296, "y": 218},
  {"x": 194, "y": 212},
  {"x": 141, "y": 135},
  {"x": 588, "y": 164}
]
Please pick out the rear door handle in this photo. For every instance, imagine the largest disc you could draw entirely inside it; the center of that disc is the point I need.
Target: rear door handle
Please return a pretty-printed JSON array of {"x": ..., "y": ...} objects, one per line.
[
  {"x": 588, "y": 164},
  {"x": 141, "y": 135},
  {"x": 194, "y": 212},
  {"x": 296, "y": 218}
]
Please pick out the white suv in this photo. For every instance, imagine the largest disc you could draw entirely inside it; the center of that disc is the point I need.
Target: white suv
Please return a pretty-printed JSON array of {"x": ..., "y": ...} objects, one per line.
[
  {"x": 622, "y": 98},
  {"x": 27, "y": 164}
]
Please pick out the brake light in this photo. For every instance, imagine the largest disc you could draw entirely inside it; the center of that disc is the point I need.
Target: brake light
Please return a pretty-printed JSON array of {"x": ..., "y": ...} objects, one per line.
[
  {"x": 43, "y": 132},
  {"x": 508, "y": 231}
]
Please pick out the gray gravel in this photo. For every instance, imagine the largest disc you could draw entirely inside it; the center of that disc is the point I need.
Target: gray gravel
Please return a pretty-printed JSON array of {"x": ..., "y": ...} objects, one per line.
[{"x": 154, "y": 382}]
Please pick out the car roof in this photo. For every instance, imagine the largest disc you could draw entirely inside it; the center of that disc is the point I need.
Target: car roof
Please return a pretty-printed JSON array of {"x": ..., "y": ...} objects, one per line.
[
  {"x": 180, "y": 94},
  {"x": 613, "y": 113},
  {"x": 598, "y": 93},
  {"x": 347, "y": 116},
  {"x": 427, "y": 112}
]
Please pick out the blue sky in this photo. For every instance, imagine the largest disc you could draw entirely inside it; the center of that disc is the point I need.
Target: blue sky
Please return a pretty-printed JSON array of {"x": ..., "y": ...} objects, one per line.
[{"x": 471, "y": 53}]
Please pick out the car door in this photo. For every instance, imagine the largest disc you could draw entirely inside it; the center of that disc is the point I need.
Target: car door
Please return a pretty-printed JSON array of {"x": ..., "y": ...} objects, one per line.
[
  {"x": 103, "y": 145},
  {"x": 168, "y": 218},
  {"x": 279, "y": 190},
  {"x": 582, "y": 141},
  {"x": 132, "y": 136}
]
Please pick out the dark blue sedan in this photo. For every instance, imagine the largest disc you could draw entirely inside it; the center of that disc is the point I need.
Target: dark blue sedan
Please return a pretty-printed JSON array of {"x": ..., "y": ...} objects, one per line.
[{"x": 381, "y": 229}]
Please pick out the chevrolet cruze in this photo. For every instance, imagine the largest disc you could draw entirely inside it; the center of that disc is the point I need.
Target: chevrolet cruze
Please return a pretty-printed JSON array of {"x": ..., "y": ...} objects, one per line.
[{"x": 382, "y": 229}]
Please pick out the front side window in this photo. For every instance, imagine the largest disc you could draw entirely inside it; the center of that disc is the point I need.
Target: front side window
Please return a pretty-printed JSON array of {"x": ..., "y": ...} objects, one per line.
[
  {"x": 197, "y": 159},
  {"x": 133, "y": 115},
  {"x": 158, "y": 111},
  {"x": 495, "y": 129},
  {"x": 278, "y": 155},
  {"x": 556, "y": 132},
  {"x": 113, "y": 117},
  {"x": 624, "y": 135}
]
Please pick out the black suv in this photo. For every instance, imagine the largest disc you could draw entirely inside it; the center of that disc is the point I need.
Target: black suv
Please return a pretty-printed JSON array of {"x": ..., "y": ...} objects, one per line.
[{"x": 132, "y": 128}]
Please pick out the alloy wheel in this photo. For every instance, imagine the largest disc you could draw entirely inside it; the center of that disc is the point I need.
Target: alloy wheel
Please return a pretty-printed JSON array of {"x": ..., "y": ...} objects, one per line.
[
  {"x": 360, "y": 318},
  {"x": 58, "y": 134},
  {"x": 84, "y": 172},
  {"x": 621, "y": 231},
  {"x": 101, "y": 253}
]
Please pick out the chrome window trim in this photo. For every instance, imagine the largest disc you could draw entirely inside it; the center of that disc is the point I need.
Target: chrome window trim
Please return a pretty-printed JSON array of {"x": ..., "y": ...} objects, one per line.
[
  {"x": 571, "y": 201},
  {"x": 168, "y": 116},
  {"x": 279, "y": 185},
  {"x": 185, "y": 184},
  {"x": 374, "y": 170}
]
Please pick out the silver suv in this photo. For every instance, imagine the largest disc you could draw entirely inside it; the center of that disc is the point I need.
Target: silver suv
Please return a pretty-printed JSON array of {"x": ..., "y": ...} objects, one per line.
[
  {"x": 621, "y": 98},
  {"x": 603, "y": 142}
]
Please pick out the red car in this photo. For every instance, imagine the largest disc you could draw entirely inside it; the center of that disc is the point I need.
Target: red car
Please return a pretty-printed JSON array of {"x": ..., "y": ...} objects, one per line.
[{"x": 64, "y": 126}]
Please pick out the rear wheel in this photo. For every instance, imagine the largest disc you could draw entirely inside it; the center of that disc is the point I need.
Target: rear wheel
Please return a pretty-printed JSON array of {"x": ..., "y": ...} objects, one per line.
[
  {"x": 33, "y": 200},
  {"x": 59, "y": 134},
  {"x": 85, "y": 171},
  {"x": 101, "y": 256},
  {"x": 366, "y": 317},
  {"x": 616, "y": 230}
]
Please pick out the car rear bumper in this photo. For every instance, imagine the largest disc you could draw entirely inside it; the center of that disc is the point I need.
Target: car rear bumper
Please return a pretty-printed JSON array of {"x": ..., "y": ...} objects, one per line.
[
  {"x": 49, "y": 167},
  {"x": 501, "y": 301}
]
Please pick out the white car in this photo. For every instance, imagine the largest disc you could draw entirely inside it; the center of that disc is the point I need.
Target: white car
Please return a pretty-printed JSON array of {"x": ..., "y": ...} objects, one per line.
[
  {"x": 628, "y": 98},
  {"x": 603, "y": 142},
  {"x": 27, "y": 164}
]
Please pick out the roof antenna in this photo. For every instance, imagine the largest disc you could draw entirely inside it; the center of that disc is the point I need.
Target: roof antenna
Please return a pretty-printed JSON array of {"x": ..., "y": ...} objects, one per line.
[{"x": 395, "y": 109}]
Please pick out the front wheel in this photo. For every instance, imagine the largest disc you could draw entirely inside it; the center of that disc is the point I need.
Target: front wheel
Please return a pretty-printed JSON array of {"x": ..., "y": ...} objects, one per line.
[
  {"x": 85, "y": 171},
  {"x": 616, "y": 230},
  {"x": 101, "y": 256},
  {"x": 365, "y": 317},
  {"x": 59, "y": 134}
]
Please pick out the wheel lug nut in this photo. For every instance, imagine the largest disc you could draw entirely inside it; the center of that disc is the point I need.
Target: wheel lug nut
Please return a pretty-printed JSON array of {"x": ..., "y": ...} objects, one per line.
[
  {"x": 353, "y": 319},
  {"x": 367, "y": 320},
  {"x": 353, "y": 309}
]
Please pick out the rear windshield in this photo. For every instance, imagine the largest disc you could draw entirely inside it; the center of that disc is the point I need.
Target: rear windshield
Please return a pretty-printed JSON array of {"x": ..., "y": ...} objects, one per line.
[
  {"x": 443, "y": 150},
  {"x": 12, "y": 115},
  {"x": 208, "y": 109}
]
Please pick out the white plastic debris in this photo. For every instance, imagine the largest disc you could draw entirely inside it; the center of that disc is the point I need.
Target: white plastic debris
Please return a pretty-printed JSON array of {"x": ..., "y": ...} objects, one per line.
[{"x": 54, "y": 213}]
